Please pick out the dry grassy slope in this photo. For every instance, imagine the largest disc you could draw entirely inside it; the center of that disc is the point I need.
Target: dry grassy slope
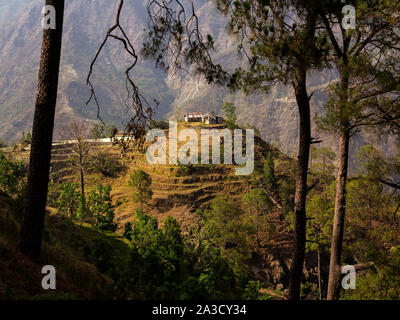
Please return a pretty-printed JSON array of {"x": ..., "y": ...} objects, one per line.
[{"x": 67, "y": 246}]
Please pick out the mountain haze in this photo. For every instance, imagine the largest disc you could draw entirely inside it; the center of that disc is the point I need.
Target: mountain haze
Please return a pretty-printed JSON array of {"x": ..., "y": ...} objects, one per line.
[{"x": 86, "y": 23}]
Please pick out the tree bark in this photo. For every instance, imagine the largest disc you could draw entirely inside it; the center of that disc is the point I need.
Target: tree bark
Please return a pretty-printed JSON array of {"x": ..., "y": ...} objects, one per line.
[
  {"x": 42, "y": 135},
  {"x": 303, "y": 102},
  {"x": 83, "y": 199},
  {"x": 338, "y": 221}
]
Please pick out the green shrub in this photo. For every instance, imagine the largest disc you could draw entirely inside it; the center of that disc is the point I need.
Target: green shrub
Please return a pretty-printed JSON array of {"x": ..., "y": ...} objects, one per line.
[
  {"x": 100, "y": 208},
  {"x": 11, "y": 174},
  {"x": 69, "y": 199},
  {"x": 141, "y": 182}
]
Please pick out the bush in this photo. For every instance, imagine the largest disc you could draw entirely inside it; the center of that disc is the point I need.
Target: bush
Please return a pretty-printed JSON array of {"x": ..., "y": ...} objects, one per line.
[
  {"x": 11, "y": 174},
  {"x": 163, "y": 125},
  {"x": 128, "y": 231},
  {"x": 26, "y": 139},
  {"x": 156, "y": 254},
  {"x": 251, "y": 292}
]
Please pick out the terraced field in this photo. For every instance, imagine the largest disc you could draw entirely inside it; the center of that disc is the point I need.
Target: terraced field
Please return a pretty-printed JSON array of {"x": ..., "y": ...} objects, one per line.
[{"x": 177, "y": 192}]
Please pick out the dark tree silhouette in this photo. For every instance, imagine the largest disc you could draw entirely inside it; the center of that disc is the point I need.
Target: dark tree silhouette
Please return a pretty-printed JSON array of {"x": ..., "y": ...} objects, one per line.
[{"x": 42, "y": 136}]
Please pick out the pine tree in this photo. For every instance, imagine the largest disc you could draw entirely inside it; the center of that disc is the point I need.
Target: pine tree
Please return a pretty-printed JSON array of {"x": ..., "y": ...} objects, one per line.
[
  {"x": 141, "y": 182},
  {"x": 365, "y": 95},
  {"x": 42, "y": 135}
]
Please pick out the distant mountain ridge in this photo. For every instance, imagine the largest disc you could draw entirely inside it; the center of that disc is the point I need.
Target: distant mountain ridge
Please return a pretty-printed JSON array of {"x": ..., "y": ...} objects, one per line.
[{"x": 86, "y": 23}]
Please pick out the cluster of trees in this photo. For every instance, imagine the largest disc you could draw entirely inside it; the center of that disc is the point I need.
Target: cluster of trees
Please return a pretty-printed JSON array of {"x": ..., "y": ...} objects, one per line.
[
  {"x": 371, "y": 240},
  {"x": 96, "y": 206},
  {"x": 285, "y": 41},
  {"x": 205, "y": 264},
  {"x": 103, "y": 131},
  {"x": 97, "y": 209}
]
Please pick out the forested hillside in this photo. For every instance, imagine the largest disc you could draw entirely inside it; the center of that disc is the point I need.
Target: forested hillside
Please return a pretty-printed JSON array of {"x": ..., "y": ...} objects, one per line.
[
  {"x": 205, "y": 149},
  {"x": 96, "y": 253}
]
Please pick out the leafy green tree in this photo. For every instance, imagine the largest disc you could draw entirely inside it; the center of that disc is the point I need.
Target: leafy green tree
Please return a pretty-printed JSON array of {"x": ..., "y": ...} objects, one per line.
[
  {"x": 141, "y": 182},
  {"x": 226, "y": 228},
  {"x": 321, "y": 207},
  {"x": 252, "y": 291},
  {"x": 259, "y": 204},
  {"x": 173, "y": 239},
  {"x": 282, "y": 52},
  {"x": 109, "y": 131},
  {"x": 286, "y": 194},
  {"x": 69, "y": 199},
  {"x": 156, "y": 255},
  {"x": 215, "y": 275},
  {"x": 322, "y": 165},
  {"x": 319, "y": 227},
  {"x": 76, "y": 133},
  {"x": 381, "y": 283},
  {"x": 372, "y": 228},
  {"x": 101, "y": 209},
  {"x": 269, "y": 171},
  {"x": 230, "y": 114}
]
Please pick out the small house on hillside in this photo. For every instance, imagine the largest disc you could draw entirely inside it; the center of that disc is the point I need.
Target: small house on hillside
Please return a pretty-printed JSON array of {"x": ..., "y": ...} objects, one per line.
[
  {"x": 204, "y": 118},
  {"x": 212, "y": 119},
  {"x": 193, "y": 117}
]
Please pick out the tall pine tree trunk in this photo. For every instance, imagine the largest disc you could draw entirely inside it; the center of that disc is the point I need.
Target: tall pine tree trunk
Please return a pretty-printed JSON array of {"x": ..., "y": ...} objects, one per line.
[
  {"x": 303, "y": 102},
  {"x": 338, "y": 221},
  {"x": 42, "y": 136}
]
